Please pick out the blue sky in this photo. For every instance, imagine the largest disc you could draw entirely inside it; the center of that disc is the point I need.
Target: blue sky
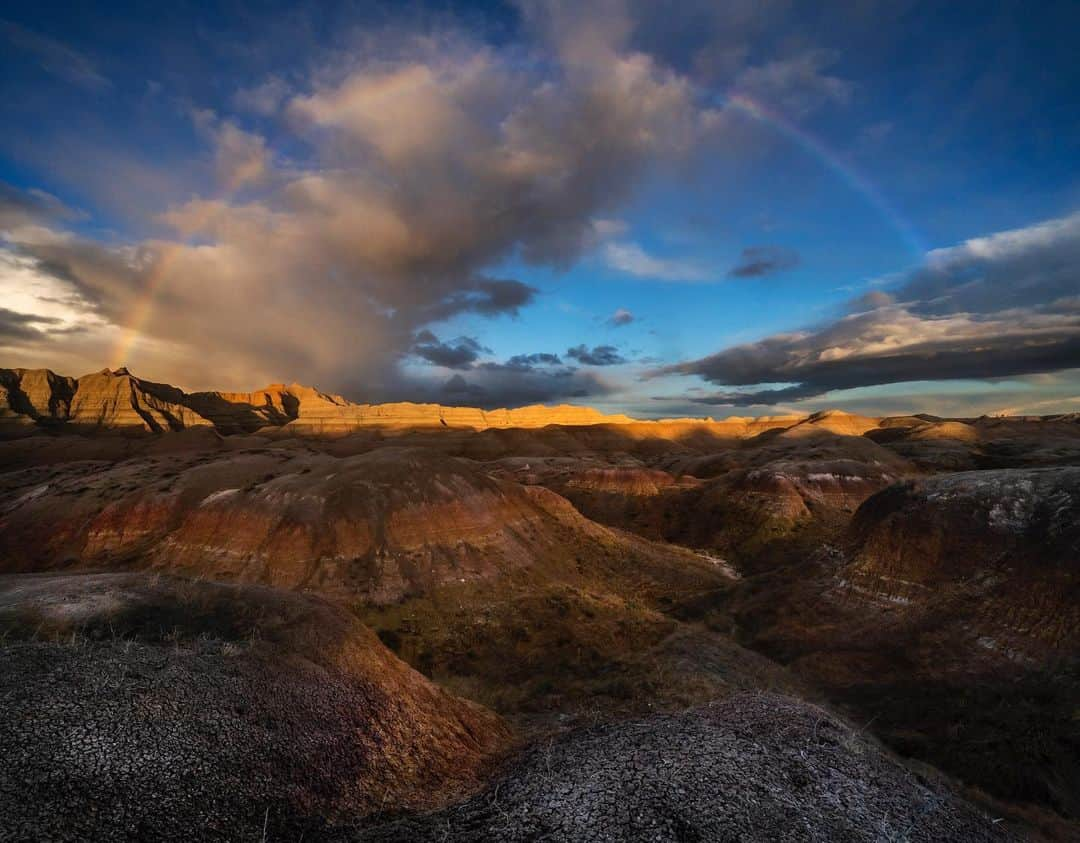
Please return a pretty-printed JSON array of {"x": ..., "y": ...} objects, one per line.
[{"x": 451, "y": 201}]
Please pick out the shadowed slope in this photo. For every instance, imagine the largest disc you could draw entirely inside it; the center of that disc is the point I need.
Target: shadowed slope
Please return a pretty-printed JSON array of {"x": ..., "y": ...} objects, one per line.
[{"x": 951, "y": 619}]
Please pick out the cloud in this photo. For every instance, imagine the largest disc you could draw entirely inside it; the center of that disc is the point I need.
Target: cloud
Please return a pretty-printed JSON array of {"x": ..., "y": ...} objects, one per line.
[
  {"x": 504, "y": 386},
  {"x": 22, "y": 326},
  {"x": 600, "y": 355},
  {"x": 620, "y": 317},
  {"x": 759, "y": 261},
  {"x": 997, "y": 306},
  {"x": 24, "y": 210},
  {"x": 1018, "y": 268},
  {"x": 54, "y": 57},
  {"x": 634, "y": 260},
  {"x": 241, "y": 157},
  {"x": 796, "y": 84},
  {"x": 529, "y": 362},
  {"x": 263, "y": 99},
  {"x": 456, "y": 354},
  {"x": 420, "y": 164}
]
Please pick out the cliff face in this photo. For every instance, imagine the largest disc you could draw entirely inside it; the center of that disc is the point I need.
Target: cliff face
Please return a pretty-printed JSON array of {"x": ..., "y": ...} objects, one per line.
[
  {"x": 33, "y": 395},
  {"x": 320, "y": 416},
  {"x": 118, "y": 400}
]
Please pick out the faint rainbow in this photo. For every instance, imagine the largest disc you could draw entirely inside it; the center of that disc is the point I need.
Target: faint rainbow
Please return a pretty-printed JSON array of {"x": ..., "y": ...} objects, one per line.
[
  {"x": 143, "y": 306},
  {"x": 843, "y": 170}
]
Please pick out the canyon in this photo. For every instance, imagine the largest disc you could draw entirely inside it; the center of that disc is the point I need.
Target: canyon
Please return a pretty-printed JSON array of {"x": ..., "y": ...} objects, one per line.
[{"x": 408, "y": 621}]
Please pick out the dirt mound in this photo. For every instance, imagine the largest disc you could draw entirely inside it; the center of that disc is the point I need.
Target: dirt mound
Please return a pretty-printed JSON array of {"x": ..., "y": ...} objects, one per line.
[
  {"x": 754, "y": 767},
  {"x": 155, "y": 708}
]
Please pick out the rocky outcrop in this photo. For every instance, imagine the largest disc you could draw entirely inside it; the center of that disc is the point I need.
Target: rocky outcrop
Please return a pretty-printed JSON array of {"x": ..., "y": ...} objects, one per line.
[
  {"x": 836, "y": 421},
  {"x": 755, "y": 767},
  {"x": 984, "y": 443},
  {"x": 165, "y": 709},
  {"x": 319, "y": 416},
  {"x": 117, "y": 400},
  {"x": 33, "y": 395},
  {"x": 623, "y": 480}
]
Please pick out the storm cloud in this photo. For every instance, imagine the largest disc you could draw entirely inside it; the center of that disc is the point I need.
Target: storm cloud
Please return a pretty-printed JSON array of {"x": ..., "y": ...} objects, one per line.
[
  {"x": 456, "y": 354},
  {"x": 428, "y": 159}
]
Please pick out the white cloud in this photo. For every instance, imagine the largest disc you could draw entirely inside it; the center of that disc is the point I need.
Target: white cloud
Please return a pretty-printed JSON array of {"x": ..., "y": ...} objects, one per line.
[{"x": 632, "y": 259}]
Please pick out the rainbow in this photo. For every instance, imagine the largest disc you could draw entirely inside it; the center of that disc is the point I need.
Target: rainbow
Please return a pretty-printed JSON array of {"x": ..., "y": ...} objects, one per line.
[
  {"x": 843, "y": 170},
  {"x": 143, "y": 305}
]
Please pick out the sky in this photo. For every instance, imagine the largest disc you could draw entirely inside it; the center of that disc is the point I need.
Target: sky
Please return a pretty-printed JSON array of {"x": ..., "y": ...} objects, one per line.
[{"x": 705, "y": 208}]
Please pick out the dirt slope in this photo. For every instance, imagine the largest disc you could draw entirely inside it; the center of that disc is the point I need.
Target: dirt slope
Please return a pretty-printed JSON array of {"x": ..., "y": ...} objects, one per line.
[{"x": 143, "y": 708}]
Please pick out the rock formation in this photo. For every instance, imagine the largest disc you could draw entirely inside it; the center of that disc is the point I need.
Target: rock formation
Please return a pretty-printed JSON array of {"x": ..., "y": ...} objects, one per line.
[{"x": 33, "y": 395}]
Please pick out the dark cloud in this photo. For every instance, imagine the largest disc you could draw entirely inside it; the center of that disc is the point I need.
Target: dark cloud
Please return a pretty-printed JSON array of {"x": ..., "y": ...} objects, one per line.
[
  {"x": 599, "y": 355},
  {"x": 456, "y": 354},
  {"x": 493, "y": 387},
  {"x": 992, "y": 307},
  {"x": 759, "y": 261},
  {"x": 1026, "y": 267},
  {"x": 527, "y": 362},
  {"x": 620, "y": 317},
  {"x": 486, "y": 296},
  {"x": 457, "y": 387},
  {"x": 24, "y": 326}
]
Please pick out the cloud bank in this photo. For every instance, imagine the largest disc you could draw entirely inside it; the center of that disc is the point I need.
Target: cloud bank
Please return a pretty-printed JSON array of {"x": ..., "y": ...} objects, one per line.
[{"x": 991, "y": 307}]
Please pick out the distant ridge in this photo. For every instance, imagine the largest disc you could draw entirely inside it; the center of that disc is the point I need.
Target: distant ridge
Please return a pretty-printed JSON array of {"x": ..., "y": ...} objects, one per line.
[{"x": 117, "y": 400}]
